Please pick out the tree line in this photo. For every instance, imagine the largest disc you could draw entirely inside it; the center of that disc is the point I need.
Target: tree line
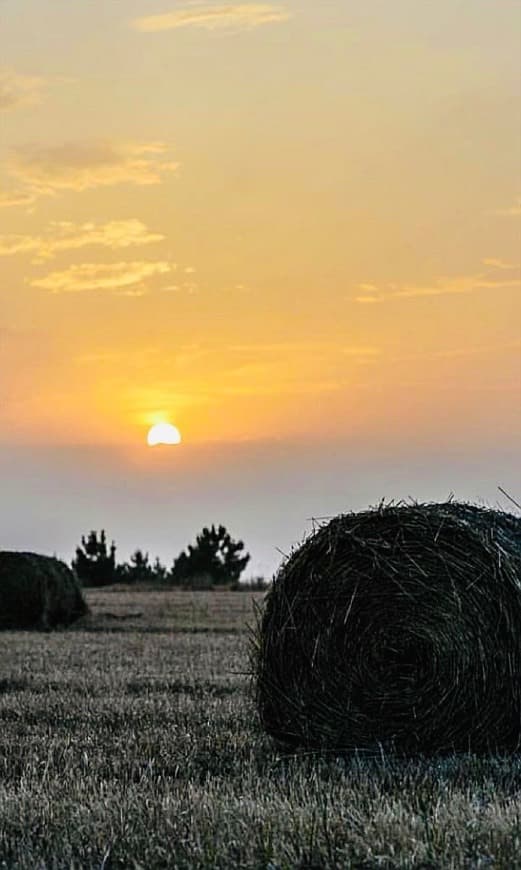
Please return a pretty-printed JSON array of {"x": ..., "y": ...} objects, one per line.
[{"x": 215, "y": 560}]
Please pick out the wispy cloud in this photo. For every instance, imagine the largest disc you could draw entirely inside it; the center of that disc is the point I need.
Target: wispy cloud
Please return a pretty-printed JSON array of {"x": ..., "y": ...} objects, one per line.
[
  {"x": 512, "y": 211},
  {"x": 10, "y": 198},
  {"x": 460, "y": 352},
  {"x": 361, "y": 353},
  {"x": 449, "y": 288},
  {"x": 67, "y": 236},
  {"x": 462, "y": 285},
  {"x": 279, "y": 388},
  {"x": 370, "y": 298},
  {"x": 19, "y": 90},
  {"x": 495, "y": 263},
  {"x": 227, "y": 16},
  {"x": 46, "y": 171},
  {"x": 102, "y": 276},
  {"x": 307, "y": 348},
  {"x": 479, "y": 350},
  {"x": 271, "y": 368}
]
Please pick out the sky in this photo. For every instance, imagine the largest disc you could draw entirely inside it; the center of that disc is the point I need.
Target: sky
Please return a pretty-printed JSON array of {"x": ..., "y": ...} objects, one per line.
[{"x": 290, "y": 229}]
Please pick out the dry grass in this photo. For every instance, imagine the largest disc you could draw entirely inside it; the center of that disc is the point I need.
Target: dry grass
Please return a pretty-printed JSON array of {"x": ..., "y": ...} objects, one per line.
[
  {"x": 156, "y": 610},
  {"x": 140, "y": 748}
]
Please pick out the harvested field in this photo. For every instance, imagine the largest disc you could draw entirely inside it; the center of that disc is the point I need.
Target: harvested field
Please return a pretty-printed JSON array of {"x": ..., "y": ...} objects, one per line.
[
  {"x": 141, "y": 748},
  {"x": 143, "y": 609}
]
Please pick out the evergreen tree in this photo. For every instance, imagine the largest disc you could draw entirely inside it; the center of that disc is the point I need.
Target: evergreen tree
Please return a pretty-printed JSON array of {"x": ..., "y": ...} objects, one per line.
[
  {"x": 215, "y": 554},
  {"x": 160, "y": 573},
  {"x": 95, "y": 563},
  {"x": 140, "y": 570}
]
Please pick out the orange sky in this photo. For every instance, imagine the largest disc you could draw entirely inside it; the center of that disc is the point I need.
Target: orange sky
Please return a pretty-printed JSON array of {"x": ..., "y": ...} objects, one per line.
[{"x": 295, "y": 221}]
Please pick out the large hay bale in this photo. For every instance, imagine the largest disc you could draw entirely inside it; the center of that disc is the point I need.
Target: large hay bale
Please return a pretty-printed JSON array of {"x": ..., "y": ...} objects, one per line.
[
  {"x": 37, "y": 592},
  {"x": 399, "y": 629}
]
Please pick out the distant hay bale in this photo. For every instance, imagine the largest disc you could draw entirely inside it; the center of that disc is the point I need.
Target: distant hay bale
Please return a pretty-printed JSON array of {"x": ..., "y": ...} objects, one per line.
[
  {"x": 396, "y": 629},
  {"x": 37, "y": 592}
]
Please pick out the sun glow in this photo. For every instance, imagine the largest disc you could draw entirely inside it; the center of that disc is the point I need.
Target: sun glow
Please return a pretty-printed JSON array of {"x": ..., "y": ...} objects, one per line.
[{"x": 163, "y": 433}]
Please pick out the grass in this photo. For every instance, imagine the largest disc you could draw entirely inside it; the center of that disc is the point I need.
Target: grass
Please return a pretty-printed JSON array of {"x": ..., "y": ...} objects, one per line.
[{"x": 132, "y": 742}]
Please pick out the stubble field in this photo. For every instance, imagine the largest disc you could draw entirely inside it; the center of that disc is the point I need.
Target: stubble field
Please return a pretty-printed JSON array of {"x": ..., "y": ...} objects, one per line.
[{"x": 133, "y": 742}]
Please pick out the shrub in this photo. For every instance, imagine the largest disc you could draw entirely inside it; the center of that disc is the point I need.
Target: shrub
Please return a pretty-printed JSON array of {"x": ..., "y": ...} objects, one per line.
[
  {"x": 396, "y": 628},
  {"x": 37, "y": 592}
]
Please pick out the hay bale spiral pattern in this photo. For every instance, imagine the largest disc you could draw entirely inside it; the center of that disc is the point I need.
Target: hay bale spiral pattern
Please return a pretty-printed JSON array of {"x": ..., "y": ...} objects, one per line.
[{"x": 397, "y": 628}]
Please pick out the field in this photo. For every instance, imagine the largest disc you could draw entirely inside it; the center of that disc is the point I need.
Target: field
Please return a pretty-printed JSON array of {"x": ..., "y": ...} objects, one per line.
[{"x": 132, "y": 742}]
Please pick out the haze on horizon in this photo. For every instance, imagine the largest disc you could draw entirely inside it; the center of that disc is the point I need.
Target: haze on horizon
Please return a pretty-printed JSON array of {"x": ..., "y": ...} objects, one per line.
[{"x": 290, "y": 229}]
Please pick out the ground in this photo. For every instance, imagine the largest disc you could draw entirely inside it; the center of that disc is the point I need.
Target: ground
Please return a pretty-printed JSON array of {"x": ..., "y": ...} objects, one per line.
[{"x": 133, "y": 742}]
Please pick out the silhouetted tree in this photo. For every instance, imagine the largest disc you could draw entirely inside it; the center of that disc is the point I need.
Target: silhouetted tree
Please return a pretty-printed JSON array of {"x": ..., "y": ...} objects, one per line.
[
  {"x": 140, "y": 570},
  {"x": 160, "y": 573},
  {"x": 215, "y": 555},
  {"x": 95, "y": 564}
]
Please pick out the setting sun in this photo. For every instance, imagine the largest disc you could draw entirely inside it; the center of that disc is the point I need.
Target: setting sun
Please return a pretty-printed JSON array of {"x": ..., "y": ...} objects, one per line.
[{"x": 163, "y": 433}]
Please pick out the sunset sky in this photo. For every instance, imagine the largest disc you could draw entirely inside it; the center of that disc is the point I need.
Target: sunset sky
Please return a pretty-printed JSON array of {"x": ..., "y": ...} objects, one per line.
[{"x": 290, "y": 229}]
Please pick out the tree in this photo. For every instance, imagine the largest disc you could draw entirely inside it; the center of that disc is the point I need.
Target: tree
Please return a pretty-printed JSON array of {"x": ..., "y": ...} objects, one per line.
[
  {"x": 139, "y": 571},
  {"x": 95, "y": 564},
  {"x": 160, "y": 573},
  {"x": 214, "y": 555}
]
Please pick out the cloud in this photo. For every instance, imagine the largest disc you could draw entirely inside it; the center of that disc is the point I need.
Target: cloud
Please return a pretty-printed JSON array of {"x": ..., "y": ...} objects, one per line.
[
  {"x": 103, "y": 276},
  {"x": 19, "y": 90},
  {"x": 15, "y": 197},
  {"x": 362, "y": 352},
  {"x": 454, "y": 287},
  {"x": 308, "y": 349},
  {"x": 495, "y": 263},
  {"x": 461, "y": 285},
  {"x": 368, "y": 288},
  {"x": 420, "y": 292},
  {"x": 81, "y": 166},
  {"x": 229, "y": 16},
  {"x": 67, "y": 236},
  {"x": 512, "y": 211},
  {"x": 479, "y": 350},
  {"x": 251, "y": 368},
  {"x": 274, "y": 388},
  {"x": 461, "y": 352},
  {"x": 369, "y": 300}
]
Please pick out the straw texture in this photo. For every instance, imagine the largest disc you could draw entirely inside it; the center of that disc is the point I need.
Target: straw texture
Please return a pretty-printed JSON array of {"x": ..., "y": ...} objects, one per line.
[
  {"x": 37, "y": 592},
  {"x": 397, "y": 628}
]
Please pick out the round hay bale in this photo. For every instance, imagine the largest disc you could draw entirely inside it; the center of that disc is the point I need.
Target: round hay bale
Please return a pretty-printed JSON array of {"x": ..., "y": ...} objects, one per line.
[
  {"x": 396, "y": 629},
  {"x": 37, "y": 592}
]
